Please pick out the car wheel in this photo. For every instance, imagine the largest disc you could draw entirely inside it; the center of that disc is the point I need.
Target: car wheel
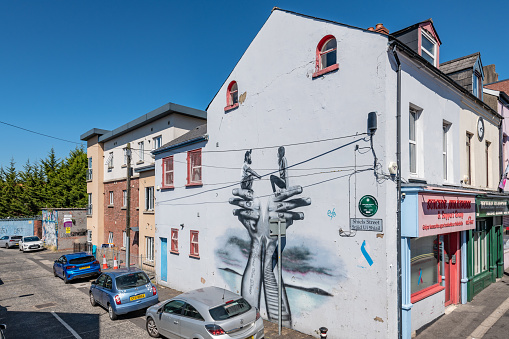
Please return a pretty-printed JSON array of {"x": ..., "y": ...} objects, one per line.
[
  {"x": 92, "y": 300},
  {"x": 111, "y": 313},
  {"x": 152, "y": 328},
  {"x": 65, "y": 279},
  {"x": 6, "y": 246}
]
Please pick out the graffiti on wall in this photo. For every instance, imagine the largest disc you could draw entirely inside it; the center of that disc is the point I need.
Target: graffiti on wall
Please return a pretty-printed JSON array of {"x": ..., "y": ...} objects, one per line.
[
  {"x": 254, "y": 258},
  {"x": 50, "y": 227}
]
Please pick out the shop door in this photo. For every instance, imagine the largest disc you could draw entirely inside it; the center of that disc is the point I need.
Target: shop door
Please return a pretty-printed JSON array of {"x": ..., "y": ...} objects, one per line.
[{"x": 451, "y": 264}]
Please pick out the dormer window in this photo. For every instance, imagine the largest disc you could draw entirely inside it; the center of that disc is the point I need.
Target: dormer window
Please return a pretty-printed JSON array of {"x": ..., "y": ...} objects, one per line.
[
  {"x": 326, "y": 56},
  {"x": 428, "y": 48},
  {"x": 477, "y": 84},
  {"x": 232, "y": 96}
]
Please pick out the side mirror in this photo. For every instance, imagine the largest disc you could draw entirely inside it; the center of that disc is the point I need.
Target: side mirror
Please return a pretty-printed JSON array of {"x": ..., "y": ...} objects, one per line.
[{"x": 3, "y": 326}]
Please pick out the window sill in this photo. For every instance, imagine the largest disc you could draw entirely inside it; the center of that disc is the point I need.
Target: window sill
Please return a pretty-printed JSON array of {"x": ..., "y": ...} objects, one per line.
[
  {"x": 326, "y": 70},
  {"x": 231, "y": 107},
  {"x": 149, "y": 263},
  {"x": 123, "y": 166},
  {"x": 89, "y": 180},
  {"x": 89, "y": 215},
  {"x": 192, "y": 184},
  {"x": 148, "y": 212},
  {"x": 167, "y": 187},
  {"x": 110, "y": 206},
  {"x": 417, "y": 296},
  {"x": 123, "y": 208},
  {"x": 174, "y": 252},
  {"x": 139, "y": 162},
  {"x": 194, "y": 256}
]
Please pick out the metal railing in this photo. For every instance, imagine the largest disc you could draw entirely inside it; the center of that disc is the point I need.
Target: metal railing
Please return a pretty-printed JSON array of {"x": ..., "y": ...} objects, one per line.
[
  {"x": 89, "y": 174},
  {"x": 82, "y": 247},
  {"x": 136, "y": 260}
]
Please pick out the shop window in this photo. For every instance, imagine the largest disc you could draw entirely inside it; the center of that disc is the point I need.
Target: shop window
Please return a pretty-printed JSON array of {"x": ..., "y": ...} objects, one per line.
[
  {"x": 194, "y": 175},
  {"x": 194, "y": 250},
  {"x": 480, "y": 254},
  {"x": 424, "y": 267},
  {"x": 232, "y": 96},
  {"x": 174, "y": 241},
  {"x": 168, "y": 172},
  {"x": 326, "y": 56}
]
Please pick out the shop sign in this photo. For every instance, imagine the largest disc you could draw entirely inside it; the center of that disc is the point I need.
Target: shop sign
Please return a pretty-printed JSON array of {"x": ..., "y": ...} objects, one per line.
[
  {"x": 492, "y": 207},
  {"x": 366, "y": 224},
  {"x": 445, "y": 213},
  {"x": 368, "y": 206},
  {"x": 68, "y": 221}
]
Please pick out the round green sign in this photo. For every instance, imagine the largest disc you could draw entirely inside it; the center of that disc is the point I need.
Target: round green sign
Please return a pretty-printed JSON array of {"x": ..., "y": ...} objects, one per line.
[{"x": 368, "y": 205}]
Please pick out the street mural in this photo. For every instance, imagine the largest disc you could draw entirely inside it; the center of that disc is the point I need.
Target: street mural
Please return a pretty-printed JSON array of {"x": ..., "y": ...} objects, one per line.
[
  {"x": 49, "y": 227},
  {"x": 252, "y": 257}
]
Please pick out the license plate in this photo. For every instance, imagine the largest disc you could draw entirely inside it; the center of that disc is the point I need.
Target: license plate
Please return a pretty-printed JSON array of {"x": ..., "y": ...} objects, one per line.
[
  {"x": 84, "y": 268},
  {"x": 251, "y": 337},
  {"x": 136, "y": 297}
]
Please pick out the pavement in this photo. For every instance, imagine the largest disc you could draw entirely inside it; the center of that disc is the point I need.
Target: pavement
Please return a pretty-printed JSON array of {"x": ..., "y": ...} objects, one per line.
[{"x": 486, "y": 316}]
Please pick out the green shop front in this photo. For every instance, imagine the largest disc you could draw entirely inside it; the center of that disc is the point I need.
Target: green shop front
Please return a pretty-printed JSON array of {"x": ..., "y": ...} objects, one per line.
[{"x": 485, "y": 247}]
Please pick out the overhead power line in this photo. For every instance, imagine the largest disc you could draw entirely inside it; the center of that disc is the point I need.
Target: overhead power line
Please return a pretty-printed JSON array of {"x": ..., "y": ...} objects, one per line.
[{"x": 44, "y": 135}]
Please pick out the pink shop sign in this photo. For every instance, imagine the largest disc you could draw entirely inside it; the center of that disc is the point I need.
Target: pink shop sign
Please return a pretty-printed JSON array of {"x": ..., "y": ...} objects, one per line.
[{"x": 445, "y": 213}]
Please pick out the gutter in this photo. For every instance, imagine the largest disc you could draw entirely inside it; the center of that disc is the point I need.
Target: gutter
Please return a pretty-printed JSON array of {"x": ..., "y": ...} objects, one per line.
[{"x": 181, "y": 144}]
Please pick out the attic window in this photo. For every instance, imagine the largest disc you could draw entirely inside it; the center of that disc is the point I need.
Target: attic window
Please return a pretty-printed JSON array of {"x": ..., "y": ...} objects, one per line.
[
  {"x": 428, "y": 48},
  {"x": 232, "y": 96},
  {"x": 326, "y": 56}
]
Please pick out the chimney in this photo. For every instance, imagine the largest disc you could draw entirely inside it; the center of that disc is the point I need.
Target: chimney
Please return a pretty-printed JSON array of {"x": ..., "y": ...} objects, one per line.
[
  {"x": 381, "y": 29},
  {"x": 371, "y": 29}
]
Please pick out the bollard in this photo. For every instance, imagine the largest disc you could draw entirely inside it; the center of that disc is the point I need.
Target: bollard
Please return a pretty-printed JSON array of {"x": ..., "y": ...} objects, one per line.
[
  {"x": 115, "y": 263},
  {"x": 323, "y": 332},
  {"x": 105, "y": 265}
]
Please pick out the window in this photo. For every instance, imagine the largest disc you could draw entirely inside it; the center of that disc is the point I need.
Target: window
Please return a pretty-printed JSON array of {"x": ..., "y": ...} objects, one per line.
[
  {"x": 445, "y": 141},
  {"x": 480, "y": 258},
  {"x": 111, "y": 198},
  {"x": 488, "y": 163},
  {"x": 125, "y": 156},
  {"x": 194, "y": 175},
  {"x": 89, "y": 204},
  {"x": 90, "y": 162},
  {"x": 141, "y": 149},
  {"x": 428, "y": 48},
  {"x": 174, "y": 306},
  {"x": 424, "y": 263},
  {"x": 110, "y": 238},
  {"x": 149, "y": 198},
  {"x": 174, "y": 240},
  {"x": 468, "y": 179},
  {"x": 124, "y": 198},
  {"x": 168, "y": 172},
  {"x": 110, "y": 161},
  {"x": 477, "y": 84},
  {"x": 89, "y": 235},
  {"x": 232, "y": 96},
  {"x": 149, "y": 248},
  {"x": 158, "y": 142},
  {"x": 124, "y": 239},
  {"x": 191, "y": 312},
  {"x": 194, "y": 250},
  {"x": 326, "y": 56},
  {"x": 412, "y": 140}
]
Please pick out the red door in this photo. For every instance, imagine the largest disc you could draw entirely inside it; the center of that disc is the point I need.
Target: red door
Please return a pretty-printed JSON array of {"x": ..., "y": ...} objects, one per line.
[{"x": 451, "y": 267}]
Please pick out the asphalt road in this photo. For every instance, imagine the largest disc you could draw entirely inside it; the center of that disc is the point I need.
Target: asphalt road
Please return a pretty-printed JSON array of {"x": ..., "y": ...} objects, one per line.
[{"x": 35, "y": 304}]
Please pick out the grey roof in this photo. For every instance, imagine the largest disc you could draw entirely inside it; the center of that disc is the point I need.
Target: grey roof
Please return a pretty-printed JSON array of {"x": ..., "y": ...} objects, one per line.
[
  {"x": 158, "y": 113},
  {"x": 459, "y": 64},
  {"x": 197, "y": 134}
]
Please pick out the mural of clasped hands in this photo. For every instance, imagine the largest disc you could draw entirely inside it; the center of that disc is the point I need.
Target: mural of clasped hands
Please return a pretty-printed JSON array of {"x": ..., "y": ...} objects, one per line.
[{"x": 260, "y": 266}]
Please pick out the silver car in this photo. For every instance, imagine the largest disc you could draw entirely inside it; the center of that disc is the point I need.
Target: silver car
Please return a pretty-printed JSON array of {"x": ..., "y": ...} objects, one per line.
[
  {"x": 9, "y": 241},
  {"x": 208, "y": 312}
]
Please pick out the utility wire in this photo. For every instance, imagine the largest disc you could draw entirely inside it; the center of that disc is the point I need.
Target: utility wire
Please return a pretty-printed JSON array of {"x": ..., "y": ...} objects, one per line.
[{"x": 44, "y": 135}]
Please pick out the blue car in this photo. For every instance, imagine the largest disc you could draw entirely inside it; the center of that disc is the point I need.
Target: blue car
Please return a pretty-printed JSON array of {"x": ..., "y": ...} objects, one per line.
[
  {"x": 76, "y": 265},
  {"x": 123, "y": 291}
]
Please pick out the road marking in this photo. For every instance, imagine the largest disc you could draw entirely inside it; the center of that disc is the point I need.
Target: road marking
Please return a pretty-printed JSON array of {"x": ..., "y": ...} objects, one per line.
[
  {"x": 73, "y": 332},
  {"x": 481, "y": 330},
  {"x": 47, "y": 262}
]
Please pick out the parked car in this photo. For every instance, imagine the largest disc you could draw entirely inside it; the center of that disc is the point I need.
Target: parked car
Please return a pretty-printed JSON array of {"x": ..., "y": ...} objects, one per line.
[
  {"x": 9, "y": 241},
  {"x": 31, "y": 243},
  {"x": 123, "y": 291},
  {"x": 76, "y": 265},
  {"x": 208, "y": 312}
]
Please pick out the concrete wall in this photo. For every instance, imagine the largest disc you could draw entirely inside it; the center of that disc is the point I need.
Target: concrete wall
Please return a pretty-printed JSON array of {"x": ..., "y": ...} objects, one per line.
[
  {"x": 23, "y": 227},
  {"x": 50, "y": 227},
  {"x": 77, "y": 232},
  {"x": 95, "y": 221},
  {"x": 328, "y": 278},
  {"x": 147, "y": 218},
  {"x": 427, "y": 310}
]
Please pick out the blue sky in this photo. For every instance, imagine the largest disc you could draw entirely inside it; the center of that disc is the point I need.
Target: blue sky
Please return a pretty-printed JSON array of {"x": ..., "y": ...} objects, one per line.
[{"x": 69, "y": 66}]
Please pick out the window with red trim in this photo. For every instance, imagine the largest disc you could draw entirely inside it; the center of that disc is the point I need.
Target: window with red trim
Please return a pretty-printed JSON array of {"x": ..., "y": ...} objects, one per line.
[
  {"x": 168, "y": 172},
  {"x": 424, "y": 267},
  {"x": 194, "y": 250},
  {"x": 194, "y": 167},
  {"x": 174, "y": 241},
  {"x": 326, "y": 56},
  {"x": 232, "y": 96}
]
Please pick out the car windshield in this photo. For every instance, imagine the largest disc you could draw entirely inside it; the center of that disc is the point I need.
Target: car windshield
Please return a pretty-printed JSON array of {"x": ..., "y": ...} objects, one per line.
[
  {"x": 31, "y": 239},
  {"x": 131, "y": 280},
  {"x": 82, "y": 260},
  {"x": 230, "y": 309}
]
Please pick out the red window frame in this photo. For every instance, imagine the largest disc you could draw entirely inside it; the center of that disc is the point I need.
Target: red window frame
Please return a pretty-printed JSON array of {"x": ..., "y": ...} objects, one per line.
[
  {"x": 165, "y": 166},
  {"x": 190, "y": 157},
  {"x": 318, "y": 64},
  {"x": 194, "y": 247},
  {"x": 423, "y": 294},
  {"x": 230, "y": 104},
  {"x": 174, "y": 241}
]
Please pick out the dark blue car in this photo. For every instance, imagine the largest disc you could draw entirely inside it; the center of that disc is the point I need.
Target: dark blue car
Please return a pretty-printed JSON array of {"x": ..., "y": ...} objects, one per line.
[
  {"x": 76, "y": 265},
  {"x": 123, "y": 291}
]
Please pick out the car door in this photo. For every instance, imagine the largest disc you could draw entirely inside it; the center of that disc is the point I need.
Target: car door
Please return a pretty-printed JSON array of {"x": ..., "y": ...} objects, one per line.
[
  {"x": 107, "y": 290},
  {"x": 169, "y": 319},
  {"x": 191, "y": 322},
  {"x": 58, "y": 266},
  {"x": 98, "y": 290},
  {"x": 2, "y": 240}
]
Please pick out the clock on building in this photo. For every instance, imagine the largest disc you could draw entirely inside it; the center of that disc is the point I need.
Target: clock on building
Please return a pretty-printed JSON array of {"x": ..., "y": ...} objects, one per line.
[{"x": 480, "y": 128}]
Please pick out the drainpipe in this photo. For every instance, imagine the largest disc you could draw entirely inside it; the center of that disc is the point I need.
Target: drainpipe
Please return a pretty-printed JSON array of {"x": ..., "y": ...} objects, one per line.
[{"x": 398, "y": 193}]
